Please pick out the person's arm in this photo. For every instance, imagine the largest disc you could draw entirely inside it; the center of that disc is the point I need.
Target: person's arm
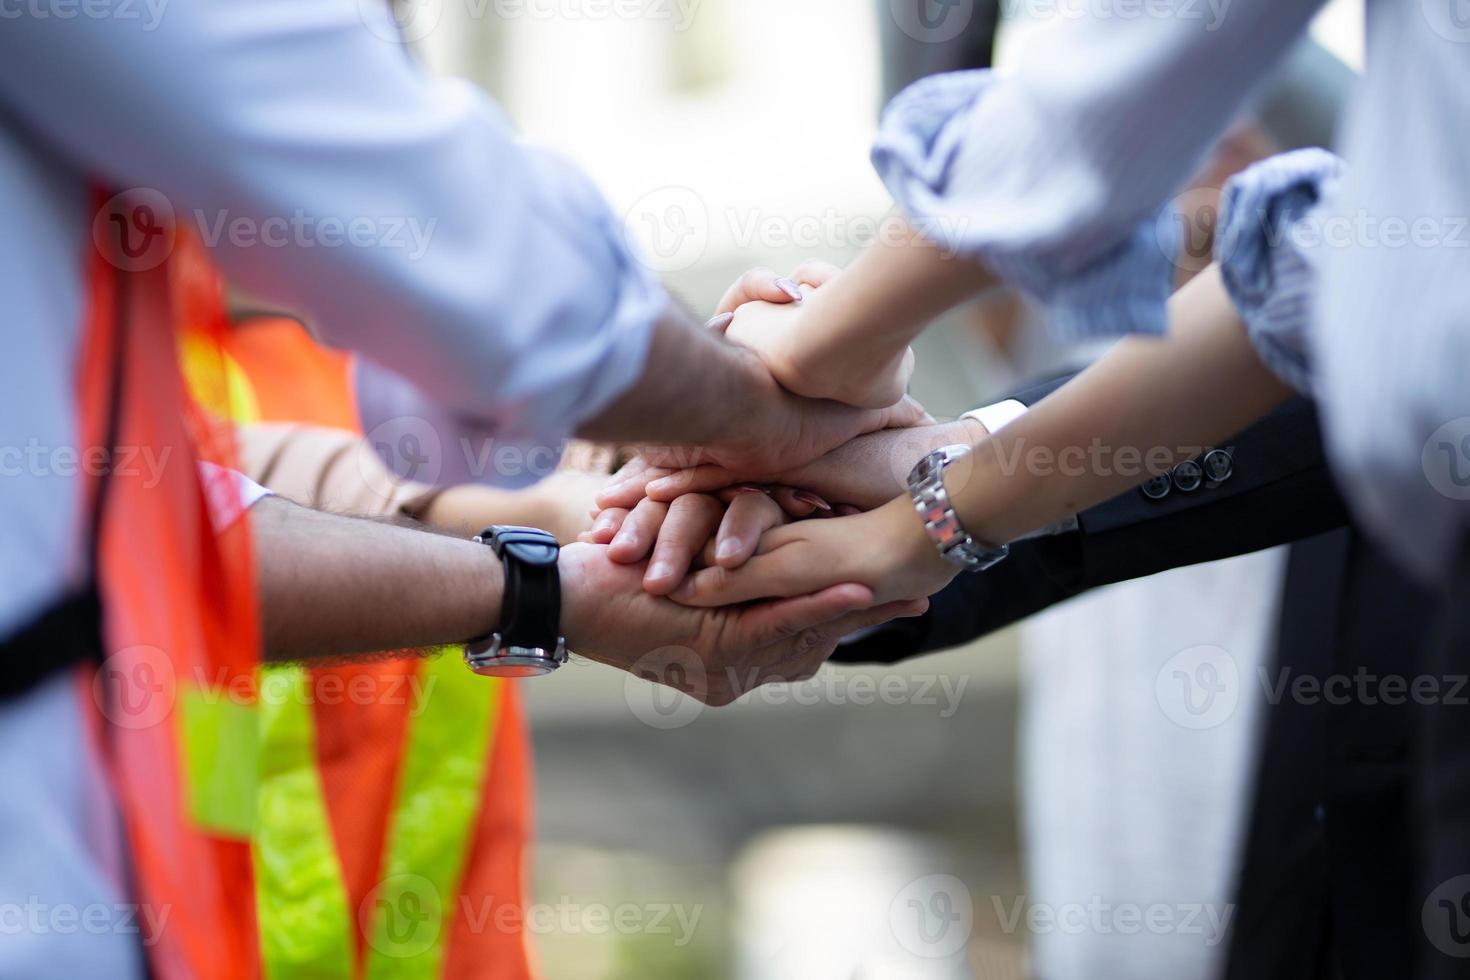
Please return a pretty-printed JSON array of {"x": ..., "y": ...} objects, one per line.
[
  {"x": 1280, "y": 491},
  {"x": 337, "y": 471},
  {"x": 1156, "y": 401},
  {"x": 333, "y": 587}
]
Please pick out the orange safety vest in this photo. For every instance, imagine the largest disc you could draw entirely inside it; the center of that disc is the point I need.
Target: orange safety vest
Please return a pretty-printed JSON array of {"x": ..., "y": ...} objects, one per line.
[
  {"x": 414, "y": 800},
  {"x": 286, "y": 827},
  {"x": 171, "y": 706}
]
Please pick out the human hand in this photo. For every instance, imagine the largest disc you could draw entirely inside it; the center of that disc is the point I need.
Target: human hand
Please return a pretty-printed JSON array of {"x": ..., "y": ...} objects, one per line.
[
  {"x": 714, "y": 655},
  {"x": 772, "y": 321},
  {"x": 886, "y": 550},
  {"x": 780, "y": 431},
  {"x": 697, "y": 530},
  {"x": 862, "y": 474}
]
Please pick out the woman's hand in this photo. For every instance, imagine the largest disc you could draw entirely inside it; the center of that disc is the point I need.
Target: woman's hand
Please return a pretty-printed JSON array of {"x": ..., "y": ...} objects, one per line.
[
  {"x": 766, "y": 313},
  {"x": 886, "y": 550},
  {"x": 697, "y": 530}
]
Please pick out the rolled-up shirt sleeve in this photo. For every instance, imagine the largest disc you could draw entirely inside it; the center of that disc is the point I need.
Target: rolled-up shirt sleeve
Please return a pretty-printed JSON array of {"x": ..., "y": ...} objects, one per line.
[
  {"x": 326, "y": 171},
  {"x": 1056, "y": 175},
  {"x": 1267, "y": 248}
]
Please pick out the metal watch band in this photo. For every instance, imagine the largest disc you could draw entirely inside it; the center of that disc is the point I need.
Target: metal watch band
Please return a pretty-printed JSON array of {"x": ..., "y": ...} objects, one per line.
[
  {"x": 931, "y": 501},
  {"x": 529, "y": 642}
]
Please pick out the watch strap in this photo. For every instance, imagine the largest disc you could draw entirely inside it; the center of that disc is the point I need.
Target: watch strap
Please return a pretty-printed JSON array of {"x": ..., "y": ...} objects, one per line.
[
  {"x": 941, "y": 523},
  {"x": 530, "y": 608}
]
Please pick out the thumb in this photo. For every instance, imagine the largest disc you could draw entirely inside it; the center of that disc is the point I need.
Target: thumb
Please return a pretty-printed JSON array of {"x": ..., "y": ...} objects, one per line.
[
  {"x": 906, "y": 414},
  {"x": 759, "y": 284}
]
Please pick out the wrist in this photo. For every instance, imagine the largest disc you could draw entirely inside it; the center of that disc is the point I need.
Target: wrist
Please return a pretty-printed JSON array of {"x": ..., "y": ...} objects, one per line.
[
  {"x": 819, "y": 360},
  {"x": 911, "y": 555},
  {"x": 486, "y": 593},
  {"x": 572, "y": 565}
]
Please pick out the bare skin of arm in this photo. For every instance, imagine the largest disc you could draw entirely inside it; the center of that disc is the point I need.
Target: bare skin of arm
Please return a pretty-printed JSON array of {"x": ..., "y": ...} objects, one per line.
[{"x": 332, "y": 586}]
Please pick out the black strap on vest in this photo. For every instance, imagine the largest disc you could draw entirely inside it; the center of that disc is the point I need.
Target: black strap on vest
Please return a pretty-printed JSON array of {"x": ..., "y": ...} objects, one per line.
[{"x": 70, "y": 632}]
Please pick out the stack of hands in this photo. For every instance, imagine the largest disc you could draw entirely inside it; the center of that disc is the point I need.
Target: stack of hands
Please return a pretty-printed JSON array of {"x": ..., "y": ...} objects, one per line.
[{"x": 774, "y": 561}]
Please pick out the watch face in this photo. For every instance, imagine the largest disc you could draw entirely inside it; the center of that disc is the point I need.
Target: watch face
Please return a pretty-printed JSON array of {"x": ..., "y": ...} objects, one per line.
[
  {"x": 514, "y": 662},
  {"x": 515, "y": 668}
]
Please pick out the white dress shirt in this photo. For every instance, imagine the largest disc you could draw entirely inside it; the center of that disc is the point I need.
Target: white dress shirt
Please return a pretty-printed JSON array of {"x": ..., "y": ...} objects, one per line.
[
  {"x": 1055, "y": 176},
  {"x": 328, "y": 173}
]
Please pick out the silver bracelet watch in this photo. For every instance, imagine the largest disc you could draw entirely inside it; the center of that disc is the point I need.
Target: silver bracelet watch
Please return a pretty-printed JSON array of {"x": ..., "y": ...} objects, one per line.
[{"x": 931, "y": 500}]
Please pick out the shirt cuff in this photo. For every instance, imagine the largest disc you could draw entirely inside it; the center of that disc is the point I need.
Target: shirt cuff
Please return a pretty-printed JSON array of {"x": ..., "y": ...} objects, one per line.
[
  {"x": 228, "y": 494},
  {"x": 998, "y": 416},
  {"x": 919, "y": 153},
  {"x": 1266, "y": 249}
]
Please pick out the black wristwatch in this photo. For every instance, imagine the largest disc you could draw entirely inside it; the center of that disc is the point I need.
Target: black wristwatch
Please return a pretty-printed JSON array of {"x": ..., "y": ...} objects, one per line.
[{"x": 529, "y": 642}]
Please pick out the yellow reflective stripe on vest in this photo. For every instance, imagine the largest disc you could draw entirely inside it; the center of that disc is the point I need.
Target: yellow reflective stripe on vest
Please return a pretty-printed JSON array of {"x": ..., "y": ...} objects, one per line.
[
  {"x": 300, "y": 899},
  {"x": 440, "y": 786},
  {"x": 219, "y": 740}
]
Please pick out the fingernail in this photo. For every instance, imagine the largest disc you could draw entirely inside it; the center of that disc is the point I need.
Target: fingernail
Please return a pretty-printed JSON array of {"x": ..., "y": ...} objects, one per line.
[
  {"x": 660, "y": 569},
  {"x": 729, "y": 548},
  {"x": 720, "y": 322},
  {"x": 625, "y": 539},
  {"x": 813, "y": 499},
  {"x": 748, "y": 488},
  {"x": 790, "y": 288},
  {"x": 660, "y": 485}
]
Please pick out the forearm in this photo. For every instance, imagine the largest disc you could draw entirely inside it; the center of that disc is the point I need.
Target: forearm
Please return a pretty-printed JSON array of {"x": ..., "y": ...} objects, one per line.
[
  {"x": 858, "y": 325},
  {"x": 1147, "y": 405},
  {"x": 1281, "y": 491},
  {"x": 695, "y": 388},
  {"x": 334, "y": 586}
]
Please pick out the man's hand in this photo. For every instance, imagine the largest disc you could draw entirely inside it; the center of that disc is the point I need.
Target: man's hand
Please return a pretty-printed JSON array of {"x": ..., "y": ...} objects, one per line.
[
  {"x": 864, "y": 473},
  {"x": 714, "y": 655},
  {"x": 702, "y": 399}
]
